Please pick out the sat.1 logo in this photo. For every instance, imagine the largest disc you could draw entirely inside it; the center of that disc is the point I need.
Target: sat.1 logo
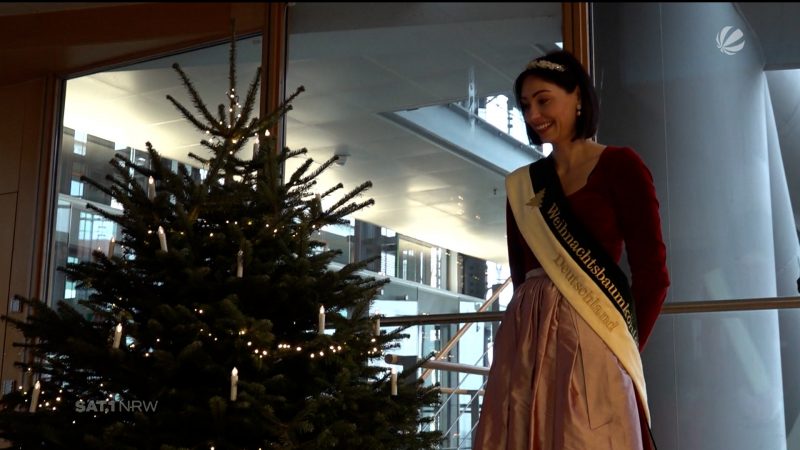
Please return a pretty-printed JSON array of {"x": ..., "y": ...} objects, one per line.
[{"x": 730, "y": 40}]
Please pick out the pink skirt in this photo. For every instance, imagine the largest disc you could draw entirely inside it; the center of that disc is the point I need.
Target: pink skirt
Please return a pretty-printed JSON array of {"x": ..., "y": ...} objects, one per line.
[{"x": 553, "y": 383}]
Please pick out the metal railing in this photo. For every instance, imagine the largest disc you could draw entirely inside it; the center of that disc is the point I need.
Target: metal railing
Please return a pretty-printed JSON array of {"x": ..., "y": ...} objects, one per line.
[
  {"x": 467, "y": 319},
  {"x": 749, "y": 304},
  {"x": 454, "y": 340}
]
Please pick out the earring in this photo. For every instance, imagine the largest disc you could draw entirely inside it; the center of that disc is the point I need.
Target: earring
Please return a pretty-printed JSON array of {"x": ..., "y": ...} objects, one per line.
[{"x": 579, "y": 110}]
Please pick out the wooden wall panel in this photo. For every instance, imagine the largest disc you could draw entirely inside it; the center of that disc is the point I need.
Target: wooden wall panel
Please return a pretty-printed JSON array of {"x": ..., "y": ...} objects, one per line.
[
  {"x": 23, "y": 207},
  {"x": 13, "y": 102},
  {"x": 8, "y": 207},
  {"x": 75, "y": 41}
]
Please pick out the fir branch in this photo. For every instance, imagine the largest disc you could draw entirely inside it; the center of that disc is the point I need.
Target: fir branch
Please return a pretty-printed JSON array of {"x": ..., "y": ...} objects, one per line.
[
  {"x": 349, "y": 196},
  {"x": 197, "y": 158},
  {"x": 332, "y": 190},
  {"x": 249, "y": 104},
  {"x": 213, "y": 127},
  {"x": 232, "y": 71},
  {"x": 323, "y": 167}
]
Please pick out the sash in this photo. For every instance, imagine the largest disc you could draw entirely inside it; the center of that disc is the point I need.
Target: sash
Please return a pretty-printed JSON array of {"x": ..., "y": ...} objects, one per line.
[{"x": 579, "y": 267}]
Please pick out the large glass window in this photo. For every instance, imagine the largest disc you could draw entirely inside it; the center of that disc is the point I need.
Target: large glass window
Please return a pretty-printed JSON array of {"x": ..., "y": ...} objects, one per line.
[
  {"x": 116, "y": 112},
  {"x": 418, "y": 99}
]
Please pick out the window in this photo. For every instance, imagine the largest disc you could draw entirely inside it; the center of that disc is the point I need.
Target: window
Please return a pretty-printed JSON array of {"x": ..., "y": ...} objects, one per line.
[{"x": 115, "y": 112}]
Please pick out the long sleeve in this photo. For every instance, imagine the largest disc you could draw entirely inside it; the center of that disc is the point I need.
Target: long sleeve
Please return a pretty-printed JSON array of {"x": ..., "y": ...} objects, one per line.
[{"x": 637, "y": 210}]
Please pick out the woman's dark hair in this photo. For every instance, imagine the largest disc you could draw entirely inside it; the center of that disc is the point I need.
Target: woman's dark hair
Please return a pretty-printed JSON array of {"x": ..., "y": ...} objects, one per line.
[{"x": 572, "y": 76}]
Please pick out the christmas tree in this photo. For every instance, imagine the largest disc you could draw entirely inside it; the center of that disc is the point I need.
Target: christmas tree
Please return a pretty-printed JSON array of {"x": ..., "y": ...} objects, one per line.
[{"x": 216, "y": 320}]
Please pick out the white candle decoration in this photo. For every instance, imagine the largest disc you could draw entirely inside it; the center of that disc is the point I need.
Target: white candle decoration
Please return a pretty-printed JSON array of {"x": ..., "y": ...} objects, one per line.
[
  {"x": 234, "y": 383},
  {"x": 377, "y": 322},
  {"x": 111, "y": 244},
  {"x": 162, "y": 238},
  {"x": 321, "y": 320},
  {"x": 394, "y": 381},
  {"x": 240, "y": 264},
  {"x": 117, "y": 335},
  {"x": 151, "y": 188},
  {"x": 35, "y": 396}
]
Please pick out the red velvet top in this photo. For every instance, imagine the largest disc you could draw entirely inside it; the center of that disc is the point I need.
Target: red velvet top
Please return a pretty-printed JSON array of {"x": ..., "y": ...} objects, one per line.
[{"x": 617, "y": 204}]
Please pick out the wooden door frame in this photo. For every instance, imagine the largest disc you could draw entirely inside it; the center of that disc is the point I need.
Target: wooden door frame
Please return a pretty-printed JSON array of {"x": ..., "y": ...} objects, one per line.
[{"x": 576, "y": 28}]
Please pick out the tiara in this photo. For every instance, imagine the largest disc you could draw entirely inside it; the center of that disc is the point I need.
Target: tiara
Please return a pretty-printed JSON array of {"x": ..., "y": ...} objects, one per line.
[{"x": 545, "y": 64}]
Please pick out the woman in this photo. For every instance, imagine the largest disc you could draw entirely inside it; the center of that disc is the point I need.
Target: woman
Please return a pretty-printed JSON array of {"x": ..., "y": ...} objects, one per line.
[{"x": 567, "y": 372}]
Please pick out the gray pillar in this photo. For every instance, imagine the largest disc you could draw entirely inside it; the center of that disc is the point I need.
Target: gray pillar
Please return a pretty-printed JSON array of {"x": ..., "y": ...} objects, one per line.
[{"x": 698, "y": 118}]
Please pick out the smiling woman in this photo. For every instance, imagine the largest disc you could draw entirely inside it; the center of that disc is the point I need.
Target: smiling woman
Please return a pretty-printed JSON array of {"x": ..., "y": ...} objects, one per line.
[{"x": 574, "y": 317}]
